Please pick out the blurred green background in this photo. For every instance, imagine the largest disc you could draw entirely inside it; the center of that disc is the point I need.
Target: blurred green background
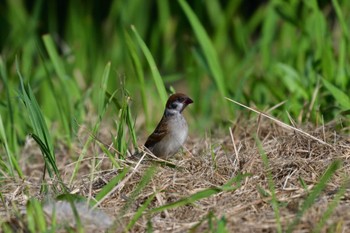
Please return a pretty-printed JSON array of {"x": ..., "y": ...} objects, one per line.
[{"x": 260, "y": 53}]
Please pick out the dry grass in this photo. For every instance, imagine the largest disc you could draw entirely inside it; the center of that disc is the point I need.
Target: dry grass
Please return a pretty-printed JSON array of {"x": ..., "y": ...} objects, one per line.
[{"x": 212, "y": 162}]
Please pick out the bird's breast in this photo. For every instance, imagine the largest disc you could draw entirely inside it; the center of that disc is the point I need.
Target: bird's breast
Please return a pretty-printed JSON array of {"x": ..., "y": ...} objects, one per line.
[
  {"x": 174, "y": 139},
  {"x": 179, "y": 129}
]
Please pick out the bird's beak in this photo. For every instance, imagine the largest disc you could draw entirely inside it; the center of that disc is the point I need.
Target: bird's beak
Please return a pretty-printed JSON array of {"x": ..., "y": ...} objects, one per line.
[{"x": 188, "y": 101}]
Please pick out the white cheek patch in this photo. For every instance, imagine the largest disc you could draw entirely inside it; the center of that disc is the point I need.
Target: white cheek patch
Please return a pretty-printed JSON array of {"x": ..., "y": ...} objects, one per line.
[
  {"x": 176, "y": 108},
  {"x": 179, "y": 106},
  {"x": 172, "y": 111}
]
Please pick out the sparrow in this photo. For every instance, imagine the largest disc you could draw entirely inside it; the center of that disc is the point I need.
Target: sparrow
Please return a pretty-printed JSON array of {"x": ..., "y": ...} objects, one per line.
[{"x": 171, "y": 132}]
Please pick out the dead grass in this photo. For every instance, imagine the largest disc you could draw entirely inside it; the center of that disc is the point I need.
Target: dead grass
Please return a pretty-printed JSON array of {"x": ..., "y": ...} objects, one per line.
[{"x": 212, "y": 162}]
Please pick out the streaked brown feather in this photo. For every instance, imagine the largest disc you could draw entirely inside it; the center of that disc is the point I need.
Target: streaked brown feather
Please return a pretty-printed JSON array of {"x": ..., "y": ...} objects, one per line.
[{"x": 158, "y": 134}]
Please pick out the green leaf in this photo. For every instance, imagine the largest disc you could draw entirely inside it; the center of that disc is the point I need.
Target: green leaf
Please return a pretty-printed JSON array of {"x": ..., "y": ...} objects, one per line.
[
  {"x": 341, "y": 97},
  {"x": 111, "y": 184},
  {"x": 158, "y": 81}
]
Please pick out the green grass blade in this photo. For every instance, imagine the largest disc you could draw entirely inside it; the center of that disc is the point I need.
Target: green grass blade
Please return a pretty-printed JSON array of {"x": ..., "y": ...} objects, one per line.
[
  {"x": 131, "y": 126},
  {"x": 35, "y": 216},
  {"x": 6, "y": 228},
  {"x": 7, "y": 150},
  {"x": 222, "y": 226},
  {"x": 12, "y": 134},
  {"x": 57, "y": 96},
  {"x": 207, "y": 47},
  {"x": 120, "y": 142},
  {"x": 331, "y": 207},
  {"x": 315, "y": 192},
  {"x": 102, "y": 107},
  {"x": 292, "y": 80},
  {"x": 139, "y": 74},
  {"x": 188, "y": 200},
  {"x": 41, "y": 133},
  {"x": 303, "y": 184},
  {"x": 274, "y": 201},
  {"x": 201, "y": 194},
  {"x": 103, "y": 89},
  {"x": 158, "y": 81},
  {"x": 149, "y": 228},
  {"x": 68, "y": 90},
  {"x": 139, "y": 212},
  {"x": 342, "y": 98},
  {"x": 146, "y": 178},
  {"x": 111, "y": 184},
  {"x": 56, "y": 61},
  {"x": 46, "y": 152},
  {"x": 268, "y": 32},
  {"x": 343, "y": 23},
  {"x": 125, "y": 125},
  {"x": 66, "y": 85},
  {"x": 110, "y": 155}
]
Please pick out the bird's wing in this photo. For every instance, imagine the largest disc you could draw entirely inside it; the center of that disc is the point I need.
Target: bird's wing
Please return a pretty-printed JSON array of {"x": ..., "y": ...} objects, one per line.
[{"x": 158, "y": 134}]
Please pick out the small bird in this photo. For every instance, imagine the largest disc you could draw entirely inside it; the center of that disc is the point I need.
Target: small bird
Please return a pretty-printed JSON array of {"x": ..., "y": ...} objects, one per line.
[{"x": 171, "y": 131}]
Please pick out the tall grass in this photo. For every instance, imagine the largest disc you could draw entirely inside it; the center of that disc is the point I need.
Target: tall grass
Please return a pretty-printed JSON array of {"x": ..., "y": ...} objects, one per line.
[
  {"x": 155, "y": 73},
  {"x": 210, "y": 54},
  {"x": 289, "y": 45},
  {"x": 40, "y": 133},
  {"x": 63, "y": 95}
]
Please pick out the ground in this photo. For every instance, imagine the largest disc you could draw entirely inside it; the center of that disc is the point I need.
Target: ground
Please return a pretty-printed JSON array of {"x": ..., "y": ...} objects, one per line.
[{"x": 296, "y": 162}]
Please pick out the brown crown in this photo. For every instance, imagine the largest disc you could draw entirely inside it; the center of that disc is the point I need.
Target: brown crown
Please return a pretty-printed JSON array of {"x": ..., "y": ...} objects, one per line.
[{"x": 179, "y": 97}]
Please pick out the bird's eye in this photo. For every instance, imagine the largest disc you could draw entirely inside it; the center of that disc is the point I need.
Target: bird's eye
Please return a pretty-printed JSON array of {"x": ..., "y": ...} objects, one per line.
[
  {"x": 180, "y": 99},
  {"x": 173, "y": 105}
]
